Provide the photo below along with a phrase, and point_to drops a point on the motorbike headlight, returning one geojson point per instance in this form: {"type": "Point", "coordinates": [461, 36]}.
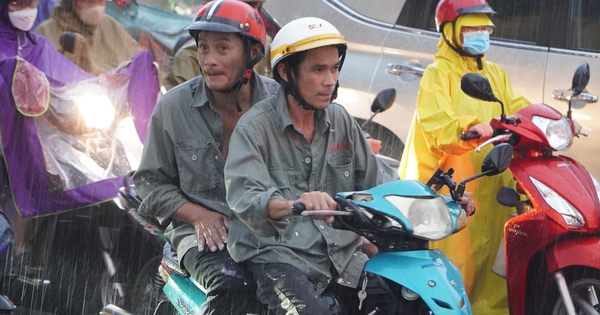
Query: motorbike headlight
{"type": "Point", "coordinates": [96, 109]}
{"type": "Point", "coordinates": [558, 132]}
{"type": "Point", "coordinates": [572, 217]}
{"type": "Point", "coordinates": [429, 218]}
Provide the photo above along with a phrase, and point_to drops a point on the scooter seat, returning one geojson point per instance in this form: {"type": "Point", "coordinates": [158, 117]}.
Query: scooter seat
{"type": "Point", "coordinates": [171, 261]}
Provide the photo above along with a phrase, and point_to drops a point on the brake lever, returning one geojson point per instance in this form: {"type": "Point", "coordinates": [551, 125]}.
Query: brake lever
{"type": "Point", "coordinates": [500, 138]}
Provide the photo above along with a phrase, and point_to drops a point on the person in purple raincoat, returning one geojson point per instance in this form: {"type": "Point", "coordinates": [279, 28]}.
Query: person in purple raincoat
{"type": "Point", "coordinates": [26, 188]}
{"type": "Point", "coordinates": [16, 20]}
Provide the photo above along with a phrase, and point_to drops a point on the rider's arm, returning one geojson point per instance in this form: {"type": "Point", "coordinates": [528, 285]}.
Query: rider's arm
{"type": "Point", "coordinates": [248, 180]}
{"type": "Point", "coordinates": [439, 119]}
{"type": "Point", "coordinates": [156, 178]}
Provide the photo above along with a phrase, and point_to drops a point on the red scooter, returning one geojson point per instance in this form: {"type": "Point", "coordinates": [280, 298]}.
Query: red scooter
{"type": "Point", "coordinates": [552, 245]}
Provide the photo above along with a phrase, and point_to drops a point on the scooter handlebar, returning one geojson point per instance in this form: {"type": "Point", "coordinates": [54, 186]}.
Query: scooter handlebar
{"type": "Point", "coordinates": [469, 135]}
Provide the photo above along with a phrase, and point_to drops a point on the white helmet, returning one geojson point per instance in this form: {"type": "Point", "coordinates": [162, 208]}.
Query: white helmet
{"type": "Point", "coordinates": [304, 34]}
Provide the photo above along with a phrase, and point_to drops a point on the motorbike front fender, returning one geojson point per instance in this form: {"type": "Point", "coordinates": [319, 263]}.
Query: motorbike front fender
{"type": "Point", "coordinates": [574, 252]}
{"type": "Point", "coordinates": [430, 274]}
{"type": "Point", "coordinates": [184, 294]}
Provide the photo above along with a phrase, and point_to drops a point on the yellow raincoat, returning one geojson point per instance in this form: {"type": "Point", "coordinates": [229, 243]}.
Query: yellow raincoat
{"type": "Point", "coordinates": [443, 112]}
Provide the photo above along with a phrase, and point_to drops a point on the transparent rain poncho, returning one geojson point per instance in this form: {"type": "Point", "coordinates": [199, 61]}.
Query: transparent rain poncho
{"type": "Point", "coordinates": [88, 134]}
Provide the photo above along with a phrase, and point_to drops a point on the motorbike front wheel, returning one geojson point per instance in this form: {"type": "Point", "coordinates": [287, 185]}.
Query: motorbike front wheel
{"type": "Point", "coordinates": [148, 298]}
{"type": "Point", "coordinates": [585, 293]}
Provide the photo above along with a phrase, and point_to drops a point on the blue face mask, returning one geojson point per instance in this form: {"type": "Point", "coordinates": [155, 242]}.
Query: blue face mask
{"type": "Point", "coordinates": [476, 43]}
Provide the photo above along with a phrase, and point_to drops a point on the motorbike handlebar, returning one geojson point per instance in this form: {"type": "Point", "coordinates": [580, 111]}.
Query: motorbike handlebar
{"type": "Point", "coordinates": [469, 135]}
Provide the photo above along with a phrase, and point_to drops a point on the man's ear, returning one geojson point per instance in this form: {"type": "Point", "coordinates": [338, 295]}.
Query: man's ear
{"type": "Point", "coordinates": [255, 50]}
{"type": "Point", "coordinates": [281, 71]}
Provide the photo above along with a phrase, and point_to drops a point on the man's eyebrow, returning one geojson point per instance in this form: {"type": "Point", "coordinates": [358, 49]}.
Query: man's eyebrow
{"type": "Point", "coordinates": [219, 39]}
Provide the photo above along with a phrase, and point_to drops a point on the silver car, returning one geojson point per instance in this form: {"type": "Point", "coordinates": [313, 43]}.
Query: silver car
{"type": "Point", "coordinates": [539, 43]}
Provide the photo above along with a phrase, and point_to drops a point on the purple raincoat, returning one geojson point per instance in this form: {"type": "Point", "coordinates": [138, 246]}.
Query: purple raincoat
{"type": "Point", "coordinates": [21, 146]}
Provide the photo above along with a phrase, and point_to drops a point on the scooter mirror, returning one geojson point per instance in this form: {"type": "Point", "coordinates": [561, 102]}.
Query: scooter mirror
{"type": "Point", "coordinates": [580, 78]}
{"type": "Point", "coordinates": [497, 160]}
{"type": "Point", "coordinates": [477, 86]}
{"type": "Point", "coordinates": [384, 100]}
{"type": "Point", "coordinates": [507, 197]}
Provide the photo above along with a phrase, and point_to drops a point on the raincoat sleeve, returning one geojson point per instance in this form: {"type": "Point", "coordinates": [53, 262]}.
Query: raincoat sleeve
{"type": "Point", "coordinates": [437, 114]}
{"type": "Point", "coordinates": [156, 179]}
{"type": "Point", "coordinates": [248, 182]}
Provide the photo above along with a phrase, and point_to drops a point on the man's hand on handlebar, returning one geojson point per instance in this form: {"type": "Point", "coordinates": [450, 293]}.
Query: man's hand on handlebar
{"type": "Point", "coordinates": [484, 130]}
{"type": "Point", "coordinates": [467, 203]}
{"type": "Point", "coordinates": [318, 200]}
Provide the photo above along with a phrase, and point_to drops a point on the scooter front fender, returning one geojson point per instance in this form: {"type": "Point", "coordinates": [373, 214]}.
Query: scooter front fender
{"type": "Point", "coordinates": [184, 294]}
{"type": "Point", "coordinates": [430, 274]}
{"type": "Point", "coordinates": [574, 252]}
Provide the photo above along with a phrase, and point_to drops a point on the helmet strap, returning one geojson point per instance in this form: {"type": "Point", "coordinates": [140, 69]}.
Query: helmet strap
{"type": "Point", "coordinates": [291, 88]}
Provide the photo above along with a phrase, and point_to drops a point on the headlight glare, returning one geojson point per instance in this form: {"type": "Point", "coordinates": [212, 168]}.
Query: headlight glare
{"type": "Point", "coordinates": [558, 132]}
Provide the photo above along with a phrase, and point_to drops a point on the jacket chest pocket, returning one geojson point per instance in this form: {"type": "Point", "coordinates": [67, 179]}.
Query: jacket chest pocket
{"type": "Point", "coordinates": [340, 173]}
{"type": "Point", "coordinates": [200, 165]}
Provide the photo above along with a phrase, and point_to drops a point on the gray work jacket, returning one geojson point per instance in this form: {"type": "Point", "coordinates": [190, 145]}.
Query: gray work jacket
{"type": "Point", "coordinates": [272, 159]}
{"type": "Point", "coordinates": [181, 161]}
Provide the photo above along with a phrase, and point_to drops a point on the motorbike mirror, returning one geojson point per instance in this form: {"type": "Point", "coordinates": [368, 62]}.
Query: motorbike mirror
{"type": "Point", "coordinates": [580, 81]}
{"type": "Point", "coordinates": [477, 86]}
{"type": "Point", "coordinates": [580, 78]}
{"type": "Point", "coordinates": [383, 101]}
{"type": "Point", "coordinates": [497, 160]}
{"type": "Point", "coordinates": [494, 163]}
{"type": "Point", "coordinates": [507, 197]}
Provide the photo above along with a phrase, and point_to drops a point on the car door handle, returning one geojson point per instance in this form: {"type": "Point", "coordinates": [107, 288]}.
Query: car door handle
{"type": "Point", "coordinates": [566, 94]}
{"type": "Point", "coordinates": [398, 69]}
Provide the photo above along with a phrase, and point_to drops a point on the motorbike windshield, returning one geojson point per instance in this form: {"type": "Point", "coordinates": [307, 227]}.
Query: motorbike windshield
{"type": "Point", "coordinates": [76, 152]}
{"type": "Point", "coordinates": [88, 135]}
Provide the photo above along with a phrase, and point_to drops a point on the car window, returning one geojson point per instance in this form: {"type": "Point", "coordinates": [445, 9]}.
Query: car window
{"type": "Point", "coordinates": [586, 24]}
{"type": "Point", "coordinates": [516, 20]}
{"type": "Point", "coordinates": [381, 10]}
{"type": "Point", "coordinates": [536, 22]}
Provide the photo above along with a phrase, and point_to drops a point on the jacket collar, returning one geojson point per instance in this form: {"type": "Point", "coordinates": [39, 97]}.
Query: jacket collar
{"type": "Point", "coordinates": [201, 95]}
{"type": "Point", "coordinates": [321, 116]}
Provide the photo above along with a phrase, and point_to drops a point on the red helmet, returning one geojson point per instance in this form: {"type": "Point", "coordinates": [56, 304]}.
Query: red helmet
{"type": "Point", "coordinates": [230, 16]}
{"type": "Point", "coordinates": [449, 10]}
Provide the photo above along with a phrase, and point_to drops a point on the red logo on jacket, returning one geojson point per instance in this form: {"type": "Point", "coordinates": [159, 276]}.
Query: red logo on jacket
{"type": "Point", "coordinates": [338, 146]}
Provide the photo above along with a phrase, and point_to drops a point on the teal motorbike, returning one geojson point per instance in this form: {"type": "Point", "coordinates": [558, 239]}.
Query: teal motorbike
{"type": "Point", "coordinates": [400, 218]}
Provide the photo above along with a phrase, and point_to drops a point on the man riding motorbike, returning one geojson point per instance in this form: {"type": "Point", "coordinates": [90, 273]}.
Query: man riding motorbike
{"type": "Point", "coordinates": [180, 177]}
{"type": "Point", "coordinates": [298, 146]}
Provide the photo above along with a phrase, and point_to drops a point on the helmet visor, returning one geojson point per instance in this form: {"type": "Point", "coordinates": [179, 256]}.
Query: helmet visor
{"type": "Point", "coordinates": [472, 20]}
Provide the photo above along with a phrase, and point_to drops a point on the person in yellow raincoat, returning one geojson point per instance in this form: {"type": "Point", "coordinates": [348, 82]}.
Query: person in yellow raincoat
{"type": "Point", "coordinates": [444, 112]}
